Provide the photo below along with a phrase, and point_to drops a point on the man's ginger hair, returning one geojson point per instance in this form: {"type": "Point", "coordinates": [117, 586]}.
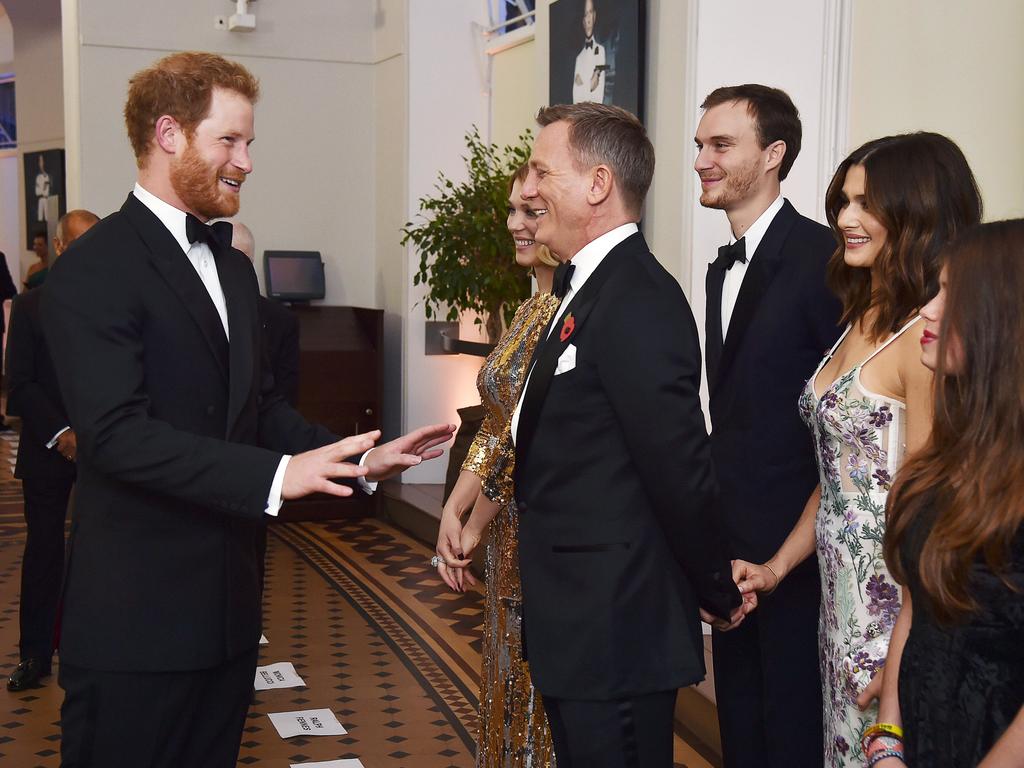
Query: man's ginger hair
{"type": "Point", "coordinates": [180, 85]}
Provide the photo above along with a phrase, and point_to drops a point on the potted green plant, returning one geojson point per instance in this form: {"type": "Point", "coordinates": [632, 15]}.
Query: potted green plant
{"type": "Point", "coordinates": [467, 258]}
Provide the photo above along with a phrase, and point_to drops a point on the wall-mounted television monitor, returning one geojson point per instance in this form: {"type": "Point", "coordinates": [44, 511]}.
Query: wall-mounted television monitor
{"type": "Point", "coordinates": [293, 275]}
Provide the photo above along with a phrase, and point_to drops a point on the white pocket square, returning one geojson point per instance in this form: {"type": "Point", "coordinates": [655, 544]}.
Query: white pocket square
{"type": "Point", "coordinates": [567, 360]}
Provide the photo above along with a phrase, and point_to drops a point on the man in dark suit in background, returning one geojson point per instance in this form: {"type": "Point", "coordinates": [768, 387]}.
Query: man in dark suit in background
{"type": "Point", "coordinates": [280, 327]}
{"type": "Point", "coordinates": [45, 466]}
{"type": "Point", "coordinates": [618, 539]}
{"type": "Point", "coordinates": [770, 318]}
{"type": "Point", "coordinates": [184, 449]}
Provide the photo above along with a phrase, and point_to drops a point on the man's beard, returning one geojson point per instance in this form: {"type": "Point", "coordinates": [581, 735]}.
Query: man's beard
{"type": "Point", "coordinates": [733, 188]}
{"type": "Point", "coordinates": [198, 186]}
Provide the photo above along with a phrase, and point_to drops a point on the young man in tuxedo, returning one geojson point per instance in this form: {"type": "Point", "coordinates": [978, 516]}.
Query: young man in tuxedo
{"type": "Point", "coordinates": [770, 319]}
{"type": "Point", "coordinates": [45, 466]}
{"type": "Point", "coordinates": [618, 540]}
{"type": "Point", "coordinates": [183, 448]}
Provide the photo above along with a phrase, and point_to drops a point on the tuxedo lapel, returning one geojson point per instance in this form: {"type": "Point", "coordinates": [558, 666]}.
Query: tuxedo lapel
{"type": "Point", "coordinates": [241, 301]}
{"type": "Point", "coordinates": [547, 351]}
{"type": "Point", "coordinates": [174, 266]}
{"type": "Point", "coordinates": [764, 265]}
{"type": "Point", "coordinates": [713, 321]}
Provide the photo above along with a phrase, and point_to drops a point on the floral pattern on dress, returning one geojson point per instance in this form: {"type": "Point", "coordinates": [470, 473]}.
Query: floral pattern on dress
{"type": "Point", "coordinates": [858, 438]}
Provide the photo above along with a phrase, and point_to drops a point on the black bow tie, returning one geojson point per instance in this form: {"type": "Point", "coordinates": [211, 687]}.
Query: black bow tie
{"type": "Point", "coordinates": [563, 273]}
{"type": "Point", "coordinates": [730, 254]}
{"type": "Point", "coordinates": [589, 43]}
{"type": "Point", "coordinates": [216, 235]}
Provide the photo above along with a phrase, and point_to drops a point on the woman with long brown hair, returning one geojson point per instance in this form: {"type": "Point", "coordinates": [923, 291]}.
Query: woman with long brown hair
{"type": "Point", "coordinates": [893, 204]}
{"type": "Point", "coordinates": [955, 536]}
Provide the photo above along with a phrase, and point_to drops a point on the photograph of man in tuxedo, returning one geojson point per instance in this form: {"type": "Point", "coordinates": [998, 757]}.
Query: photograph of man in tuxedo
{"type": "Point", "coordinates": [619, 548]}
{"type": "Point", "coordinates": [183, 446]}
{"type": "Point", "coordinates": [591, 62]}
{"type": "Point", "coordinates": [770, 317]}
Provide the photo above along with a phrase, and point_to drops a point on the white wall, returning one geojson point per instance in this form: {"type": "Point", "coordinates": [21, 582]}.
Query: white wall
{"type": "Point", "coordinates": [391, 122]}
{"type": "Point", "coordinates": [951, 67]}
{"type": "Point", "coordinates": [39, 103]}
{"type": "Point", "coordinates": [447, 78]}
{"type": "Point", "coordinates": [10, 232]}
{"type": "Point", "coordinates": [6, 42]}
{"type": "Point", "coordinates": [782, 44]}
{"type": "Point", "coordinates": [313, 183]}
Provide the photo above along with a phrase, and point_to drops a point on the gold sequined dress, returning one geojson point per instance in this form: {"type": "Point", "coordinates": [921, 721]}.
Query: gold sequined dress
{"type": "Point", "coordinates": [513, 731]}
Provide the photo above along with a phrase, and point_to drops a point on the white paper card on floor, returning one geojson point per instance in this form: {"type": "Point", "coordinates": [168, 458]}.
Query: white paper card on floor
{"type": "Point", "coordinates": [263, 640]}
{"type": "Point", "coordinates": [330, 764]}
{"type": "Point", "coordinates": [274, 676]}
{"type": "Point", "coordinates": [307, 722]}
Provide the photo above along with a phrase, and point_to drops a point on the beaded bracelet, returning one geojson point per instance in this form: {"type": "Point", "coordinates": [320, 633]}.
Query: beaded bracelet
{"type": "Point", "coordinates": [880, 756]}
{"type": "Point", "coordinates": [880, 729]}
{"type": "Point", "coordinates": [880, 743]}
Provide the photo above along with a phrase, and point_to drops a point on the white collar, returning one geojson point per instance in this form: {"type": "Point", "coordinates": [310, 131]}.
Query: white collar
{"type": "Point", "coordinates": [755, 232]}
{"type": "Point", "coordinates": [171, 217]}
{"type": "Point", "coordinates": [592, 254]}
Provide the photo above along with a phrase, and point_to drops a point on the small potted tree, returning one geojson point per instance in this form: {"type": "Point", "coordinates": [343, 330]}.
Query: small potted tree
{"type": "Point", "coordinates": [467, 258]}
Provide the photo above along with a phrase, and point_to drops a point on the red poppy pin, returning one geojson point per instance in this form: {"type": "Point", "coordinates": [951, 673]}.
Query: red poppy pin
{"type": "Point", "coordinates": [567, 327]}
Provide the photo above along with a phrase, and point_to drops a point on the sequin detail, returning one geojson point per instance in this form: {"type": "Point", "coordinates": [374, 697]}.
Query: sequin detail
{"type": "Point", "coordinates": [513, 730]}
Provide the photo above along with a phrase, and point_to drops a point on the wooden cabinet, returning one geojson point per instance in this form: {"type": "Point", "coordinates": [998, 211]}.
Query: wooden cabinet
{"type": "Point", "coordinates": [341, 368]}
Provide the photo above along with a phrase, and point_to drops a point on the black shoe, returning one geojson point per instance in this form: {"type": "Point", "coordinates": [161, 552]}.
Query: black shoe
{"type": "Point", "coordinates": [26, 675]}
{"type": "Point", "coordinates": [5, 427]}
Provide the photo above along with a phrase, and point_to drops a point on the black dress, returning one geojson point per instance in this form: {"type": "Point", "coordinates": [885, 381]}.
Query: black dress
{"type": "Point", "coordinates": [962, 685]}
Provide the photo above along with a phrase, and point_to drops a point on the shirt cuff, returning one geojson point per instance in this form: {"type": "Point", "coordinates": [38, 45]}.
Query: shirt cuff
{"type": "Point", "coordinates": [368, 486]}
{"type": "Point", "coordinates": [274, 499]}
{"type": "Point", "coordinates": [53, 440]}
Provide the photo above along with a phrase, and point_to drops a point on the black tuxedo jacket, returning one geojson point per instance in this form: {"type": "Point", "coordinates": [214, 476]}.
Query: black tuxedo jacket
{"type": "Point", "coordinates": [34, 394]}
{"type": "Point", "coordinates": [617, 536]}
{"type": "Point", "coordinates": [281, 341]}
{"type": "Point", "coordinates": [784, 321]}
{"type": "Point", "coordinates": [178, 443]}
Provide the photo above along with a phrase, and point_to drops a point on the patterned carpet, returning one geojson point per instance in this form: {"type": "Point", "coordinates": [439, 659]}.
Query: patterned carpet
{"type": "Point", "coordinates": [354, 605]}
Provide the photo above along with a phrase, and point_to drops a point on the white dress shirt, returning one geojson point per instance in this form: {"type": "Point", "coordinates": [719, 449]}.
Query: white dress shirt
{"type": "Point", "coordinates": [201, 258]}
{"type": "Point", "coordinates": [586, 261]}
{"type": "Point", "coordinates": [734, 275]}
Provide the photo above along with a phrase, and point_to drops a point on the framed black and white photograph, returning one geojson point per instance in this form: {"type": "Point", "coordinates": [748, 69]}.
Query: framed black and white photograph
{"type": "Point", "coordinates": [597, 53]}
{"type": "Point", "coordinates": [45, 201]}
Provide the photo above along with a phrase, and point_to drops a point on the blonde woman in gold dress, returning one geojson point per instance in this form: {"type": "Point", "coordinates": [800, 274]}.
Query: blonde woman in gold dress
{"type": "Point", "coordinates": [513, 730]}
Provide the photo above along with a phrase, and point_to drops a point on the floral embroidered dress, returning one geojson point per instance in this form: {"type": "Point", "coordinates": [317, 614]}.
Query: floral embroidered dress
{"type": "Point", "coordinates": [859, 438]}
{"type": "Point", "coordinates": [513, 729]}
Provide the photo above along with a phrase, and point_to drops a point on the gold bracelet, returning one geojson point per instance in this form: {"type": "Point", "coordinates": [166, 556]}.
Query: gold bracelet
{"type": "Point", "coordinates": [777, 579]}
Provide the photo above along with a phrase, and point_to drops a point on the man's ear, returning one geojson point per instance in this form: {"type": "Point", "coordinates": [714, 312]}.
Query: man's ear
{"type": "Point", "coordinates": [776, 152]}
{"type": "Point", "coordinates": [168, 134]}
{"type": "Point", "coordinates": [601, 182]}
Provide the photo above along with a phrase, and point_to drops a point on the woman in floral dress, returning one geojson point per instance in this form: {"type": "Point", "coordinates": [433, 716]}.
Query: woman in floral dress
{"type": "Point", "coordinates": [513, 729]}
{"type": "Point", "coordinates": [892, 204]}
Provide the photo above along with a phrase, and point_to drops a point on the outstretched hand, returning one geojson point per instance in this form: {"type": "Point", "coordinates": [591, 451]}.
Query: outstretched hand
{"type": "Point", "coordinates": [315, 471]}
{"type": "Point", "coordinates": [409, 450]}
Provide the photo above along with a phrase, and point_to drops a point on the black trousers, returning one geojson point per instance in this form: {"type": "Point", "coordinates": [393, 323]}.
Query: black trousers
{"type": "Point", "coordinates": [629, 733]}
{"type": "Point", "coordinates": [768, 679]}
{"type": "Point", "coordinates": [155, 719]}
{"type": "Point", "coordinates": [42, 567]}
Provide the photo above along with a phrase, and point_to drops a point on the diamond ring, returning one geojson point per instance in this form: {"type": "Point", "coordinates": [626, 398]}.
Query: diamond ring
{"type": "Point", "coordinates": [435, 561]}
